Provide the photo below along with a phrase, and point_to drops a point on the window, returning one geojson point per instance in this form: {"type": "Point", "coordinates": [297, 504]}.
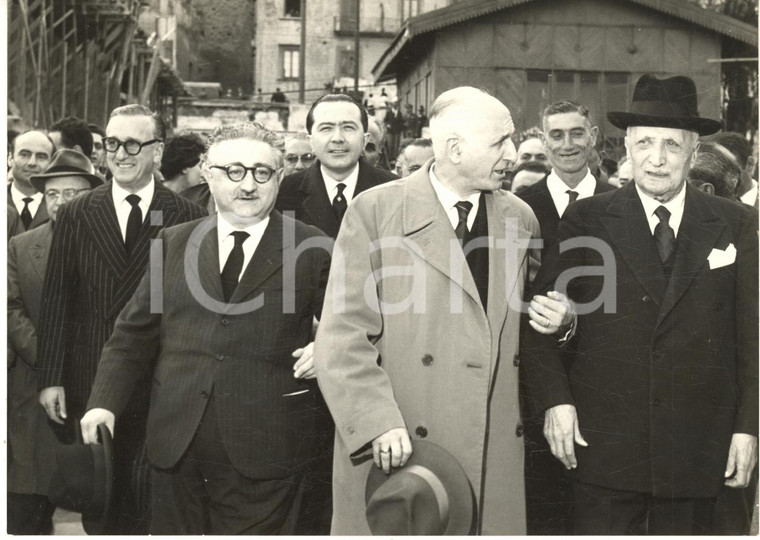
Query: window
{"type": "Point", "coordinates": [289, 57]}
{"type": "Point", "coordinates": [409, 8]}
{"type": "Point", "coordinates": [345, 62]}
{"type": "Point", "coordinates": [292, 8]}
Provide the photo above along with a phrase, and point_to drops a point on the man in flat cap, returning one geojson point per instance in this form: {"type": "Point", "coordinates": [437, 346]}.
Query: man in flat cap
{"type": "Point", "coordinates": [659, 405]}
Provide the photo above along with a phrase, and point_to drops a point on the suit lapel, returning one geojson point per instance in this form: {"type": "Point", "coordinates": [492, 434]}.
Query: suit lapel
{"type": "Point", "coordinates": [629, 231]}
{"type": "Point", "coordinates": [205, 270]}
{"type": "Point", "coordinates": [39, 251]}
{"type": "Point", "coordinates": [427, 229]}
{"type": "Point", "coordinates": [697, 234]}
{"type": "Point", "coordinates": [316, 203]}
{"type": "Point", "coordinates": [366, 178]}
{"type": "Point", "coordinates": [41, 216]}
{"type": "Point", "coordinates": [103, 227]}
{"type": "Point", "coordinates": [266, 260]}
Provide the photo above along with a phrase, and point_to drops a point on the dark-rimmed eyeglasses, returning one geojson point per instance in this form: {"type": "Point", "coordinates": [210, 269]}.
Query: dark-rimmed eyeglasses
{"type": "Point", "coordinates": [236, 173]}
{"type": "Point", "coordinates": [131, 146]}
{"type": "Point", "coordinates": [68, 194]}
{"type": "Point", "coordinates": [292, 159]}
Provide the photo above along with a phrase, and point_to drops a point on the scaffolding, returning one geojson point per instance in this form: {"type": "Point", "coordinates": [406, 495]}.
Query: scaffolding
{"type": "Point", "coordinates": [81, 58]}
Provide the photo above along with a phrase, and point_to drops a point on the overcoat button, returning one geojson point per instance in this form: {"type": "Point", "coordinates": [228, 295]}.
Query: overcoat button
{"type": "Point", "coordinates": [427, 360]}
{"type": "Point", "coordinates": [421, 432]}
{"type": "Point", "coordinates": [519, 430]}
{"type": "Point", "coordinates": [350, 430]}
{"type": "Point", "coordinates": [225, 322]}
{"type": "Point", "coordinates": [647, 299]}
{"type": "Point", "coordinates": [516, 361]}
{"type": "Point", "coordinates": [204, 394]}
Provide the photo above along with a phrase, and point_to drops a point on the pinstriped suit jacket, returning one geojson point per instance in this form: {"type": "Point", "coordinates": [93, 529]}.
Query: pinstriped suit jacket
{"type": "Point", "coordinates": [88, 281]}
{"type": "Point", "coordinates": [266, 417]}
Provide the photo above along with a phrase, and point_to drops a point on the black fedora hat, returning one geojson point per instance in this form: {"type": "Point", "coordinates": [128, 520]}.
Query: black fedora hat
{"type": "Point", "coordinates": [83, 481]}
{"type": "Point", "coordinates": [67, 162]}
{"type": "Point", "coordinates": [430, 495]}
{"type": "Point", "coordinates": [670, 103]}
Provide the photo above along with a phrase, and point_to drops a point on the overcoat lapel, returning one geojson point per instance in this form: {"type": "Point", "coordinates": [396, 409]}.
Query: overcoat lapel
{"type": "Point", "coordinates": [427, 229]}
{"type": "Point", "coordinates": [39, 251]}
{"type": "Point", "coordinates": [630, 235]}
{"type": "Point", "coordinates": [697, 234]}
{"type": "Point", "coordinates": [316, 203]}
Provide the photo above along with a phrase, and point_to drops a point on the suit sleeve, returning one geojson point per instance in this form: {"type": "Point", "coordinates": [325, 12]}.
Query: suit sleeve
{"type": "Point", "coordinates": [747, 325]}
{"type": "Point", "coordinates": [55, 312]}
{"type": "Point", "coordinates": [546, 379]}
{"type": "Point", "coordinates": [130, 351]}
{"type": "Point", "coordinates": [22, 336]}
{"type": "Point", "coordinates": [357, 390]}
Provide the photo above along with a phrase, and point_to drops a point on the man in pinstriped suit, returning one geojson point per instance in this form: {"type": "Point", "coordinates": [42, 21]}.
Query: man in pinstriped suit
{"type": "Point", "coordinates": [99, 252]}
{"type": "Point", "coordinates": [231, 430]}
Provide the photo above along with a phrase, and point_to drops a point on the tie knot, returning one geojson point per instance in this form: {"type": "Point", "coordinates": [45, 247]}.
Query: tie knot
{"type": "Point", "coordinates": [662, 214]}
{"type": "Point", "coordinates": [341, 186]}
{"type": "Point", "coordinates": [133, 199]}
{"type": "Point", "coordinates": [463, 209]}
{"type": "Point", "coordinates": [240, 237]}
{"type": "Point", "coordinates": [573, 195]}
{"type": "Point", "coordinates": [27, 200]}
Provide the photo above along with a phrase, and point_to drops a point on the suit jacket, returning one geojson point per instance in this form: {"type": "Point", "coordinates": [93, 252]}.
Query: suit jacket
{"type": "Point", "coordinates": [265, 416]}
{"type": "Point", "coordinates": [442, 366]}
{"type": "Point", "coordinates": [540, 200]}
{"type": "Point", "coordinates": [305, 194]}
{"type": "Point", "coordinates": [89, 280]}
{"type": "Point", "coordinates": [15, 219]}
{"type": "Point", "coordinates": [31, 441]}
{"type": "Point", "coordinates": [667, 371]}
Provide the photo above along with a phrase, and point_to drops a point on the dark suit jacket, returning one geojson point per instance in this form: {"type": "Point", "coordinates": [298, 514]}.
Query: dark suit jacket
{"type": "Point", "coordinates": [305, 194]}
{"type": "Point", "coordinates": [31, 442]}
{"type": "Point", "coordinates": [243, 358]}
{"type": "Point", "coordinates": [88, 281]}
{"type": "Point", "coordinates": [14, 218]}
{"type": "Point", "coordinates": [540, 200]}
{"type": "Point", "coordinates": [664, 378]}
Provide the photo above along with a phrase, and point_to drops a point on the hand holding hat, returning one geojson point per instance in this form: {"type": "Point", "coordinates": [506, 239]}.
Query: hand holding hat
{"type": "Point", "coordinates": [90, 422]}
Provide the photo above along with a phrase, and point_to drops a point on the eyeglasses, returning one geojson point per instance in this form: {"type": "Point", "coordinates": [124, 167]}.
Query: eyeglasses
{"type": "Point", "coordinates": [236, 173]}
{"type": "Point", "coordinates": [131, 146]}
{"type": "Point", "coordinates": [414, 168]}
{"type": "Point", "coordinates": [292, 159]}
{"type": "Point", "coordinates": [68, 194]}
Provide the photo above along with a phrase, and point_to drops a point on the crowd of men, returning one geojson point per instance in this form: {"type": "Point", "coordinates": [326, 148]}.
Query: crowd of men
{"type": "Point", "coordinates": [285, 337]}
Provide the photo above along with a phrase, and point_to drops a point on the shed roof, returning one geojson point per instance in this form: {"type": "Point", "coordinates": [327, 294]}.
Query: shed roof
{"type": "Point", "coordinates": [464, 11]}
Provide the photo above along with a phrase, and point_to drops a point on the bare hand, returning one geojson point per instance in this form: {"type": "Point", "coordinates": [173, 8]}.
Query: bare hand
{"type": "Point", "coordinates": [90, 422]}
{"type": "Point", "coordinates": [304, 367]}
{"type": "Point", "coordinates": [742, 458]}
{"type": "Point", "coordinates": [392, 449]}
{"type": "Point", "coordinates": [562, 431]}
{"type": "Point", "coordinates": [53, 398]}
{"type": "Point", "coordinates": [550, 314]}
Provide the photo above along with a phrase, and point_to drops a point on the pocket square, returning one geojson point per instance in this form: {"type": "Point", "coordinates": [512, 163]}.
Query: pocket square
{"type": "Point", "coordinates": [719, 258]}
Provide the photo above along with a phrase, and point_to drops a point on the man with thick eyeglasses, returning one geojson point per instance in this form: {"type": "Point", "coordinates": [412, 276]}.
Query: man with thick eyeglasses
{"type": "Point", "coordinates": [298, 153]}
{"type": "Point", "coordinates": [231, 430]}
{"type": "Point", "coordinates": [99, 252]}
{"type": "Point", "coordinates": [31, 441]}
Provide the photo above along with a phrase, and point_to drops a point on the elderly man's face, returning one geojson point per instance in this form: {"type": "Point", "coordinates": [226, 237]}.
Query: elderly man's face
{"type": "Point", "coordinates": [415, 157]}
{"type": "Point", "coordinates": [374, 145]}
{"type": "Point", "coordinates": [337, 136]}
{"type": "Point", "coordinates": [63, 189]}
{"type": "Point", "coordinates": [245, 202]}
{"type": "Point", "coordinates": [487, 150]}
{"type": "Point", "coordinates": [531, 150]}
{"type": "Point", "coordinates": [31, 155]}
{"type": "Point", "coordinates": [298, 155]}
{"type": "Point", "coordinates": [569, 139]}
{"type": "Point", "coordinates": [133, 172]}
{"type": "Point", "coordinates": [660, 158]}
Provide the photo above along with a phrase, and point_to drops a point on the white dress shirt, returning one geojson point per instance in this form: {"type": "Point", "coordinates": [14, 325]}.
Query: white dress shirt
{"type": "Point", "coordinates": [122, 206]}
{"type": "Point", "coordinates": [750, 197]}
{"type": "Point", "coordinates": [331, 184]}
{"type": "Point", "coordinates": [448, 200]}
{"type": "Point", "coordinates": [558, 190]}
{"type": "Point", "coordinates": [674, 206]}
{"type": "Point", "coordinates": [18, 200]}
{"type": "Point", "coordinates": [224, 232]}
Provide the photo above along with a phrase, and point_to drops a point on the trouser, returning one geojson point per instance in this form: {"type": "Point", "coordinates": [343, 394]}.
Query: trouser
{"type": "Point", "coordinates": [29, 513]}
{"type": "Point", "coordinates": [605, 511]}
{"type": "Point", "coordinates": [205, 494]}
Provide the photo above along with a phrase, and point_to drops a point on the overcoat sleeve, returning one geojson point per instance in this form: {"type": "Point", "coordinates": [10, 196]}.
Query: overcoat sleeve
{"type": "Point", "coordinates": [347, 359]}
{"type": "Point", "coordinates": [22, 336]}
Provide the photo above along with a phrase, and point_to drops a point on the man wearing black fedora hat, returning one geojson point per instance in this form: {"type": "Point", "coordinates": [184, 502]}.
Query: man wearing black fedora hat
{"type": "Point", "coordinates": [658, 408]}
{"type": "Point", "coordinates": [31, 442]}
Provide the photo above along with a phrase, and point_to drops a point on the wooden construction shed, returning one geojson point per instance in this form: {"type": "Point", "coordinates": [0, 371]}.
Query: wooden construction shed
{"type": "Point", "coordinates": [529, 53]}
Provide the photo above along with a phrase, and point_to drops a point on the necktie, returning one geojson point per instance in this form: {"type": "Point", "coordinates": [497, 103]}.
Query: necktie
{"type": "Point", "coordinates": [26, 215]}
{"type": "Point", "coordinates": [134, 222]}
{"type": "Point", "coordinates": [234, 265]}
{"type": "Point", "coordinates": [463, 209]}
{"type": "Point", "coordinates": [664, 236]}
{"type": "Point", "coordinates": [573, 195]}
{"type": "Point", "coordinates": [339, 203]}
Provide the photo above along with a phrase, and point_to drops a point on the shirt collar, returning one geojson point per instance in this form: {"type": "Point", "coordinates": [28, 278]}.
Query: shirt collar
{"type": "Point", "coordinates": [447, 197]}
{"type": "Point", "coordinates": [584, 189]}
{"type": "Point", "coordinates": [675, 206]}
{"type": "Point", "coordinates": [224, 228]}
{"type": "Point", "coordinates": [120, 194]}
{"type": "Point", "coordinates": [16, 195]}
{"type": "Point", "coordinates": [350, 180]}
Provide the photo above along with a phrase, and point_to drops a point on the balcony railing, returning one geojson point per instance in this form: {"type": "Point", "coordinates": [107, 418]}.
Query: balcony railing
{"type": "Point", "coordinates": [367, 25]}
